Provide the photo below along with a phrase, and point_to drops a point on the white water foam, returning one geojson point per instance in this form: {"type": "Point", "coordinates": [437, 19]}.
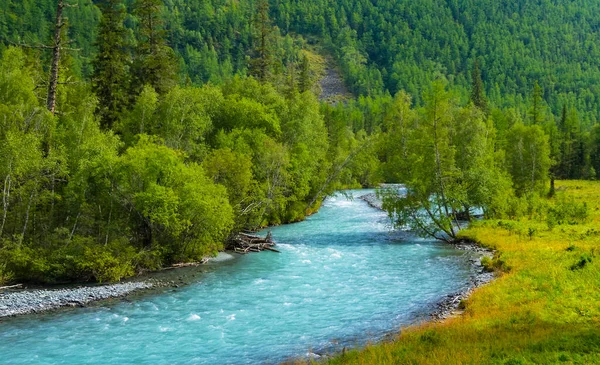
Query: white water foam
{"type": "Point", "coordinates": [194, 317]}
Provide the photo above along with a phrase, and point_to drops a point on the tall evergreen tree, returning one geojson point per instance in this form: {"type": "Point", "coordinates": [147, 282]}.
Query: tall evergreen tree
{"type": "Point", "coordinates": [154, 61]}
{"type": "Point", "coordinates": [537, 112]}
{"type": "Point", "coordinates": [563, 119]}
{"type": "Point", "coordinates": [260, 64]}
{"type": "Point", "coordinates": [477, 91]}
{"type": "Point", "coordinates": [565, 145]}
{"type": "Point", "coordinates": [112, 62]}
{"type": "Point", "coordinates": [305, 82]}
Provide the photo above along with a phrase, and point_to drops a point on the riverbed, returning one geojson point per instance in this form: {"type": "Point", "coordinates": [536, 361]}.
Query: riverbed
{"type": "Point", "coordinates": [342, 278]}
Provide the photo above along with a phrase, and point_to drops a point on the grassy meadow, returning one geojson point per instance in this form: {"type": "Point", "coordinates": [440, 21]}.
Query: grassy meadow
{"type": "Point", "coordinates": [544, 307]}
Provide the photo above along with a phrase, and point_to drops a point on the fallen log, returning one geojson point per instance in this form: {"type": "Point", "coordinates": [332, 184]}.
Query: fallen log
{"type": "Point", "coordinates": [244, 243]}
{"type": "Point", "coordinates": [17, 286]}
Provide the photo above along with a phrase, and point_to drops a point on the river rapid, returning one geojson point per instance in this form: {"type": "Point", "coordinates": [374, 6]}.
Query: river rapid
{"type": "Point", "coordinates": [342, 279]}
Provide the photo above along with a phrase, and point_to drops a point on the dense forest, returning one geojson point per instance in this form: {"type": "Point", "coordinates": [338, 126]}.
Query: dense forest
{"type": "Point", "coordinates": [137, 134]}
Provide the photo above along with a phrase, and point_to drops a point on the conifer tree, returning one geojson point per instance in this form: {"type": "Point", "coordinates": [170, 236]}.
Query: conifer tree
{"type": "Point", "coordinates": [305, 82]}
{"type": "Point", "coordinates": [260, 64]}
{"type": "Point", "coordinates": [154, 61]}
{"type": "Point", "coordinates": [537, 113]}
{"type": "Point", "coordinates": [477, 91]}
{"type": "Point", "coordinates": [112, 62]}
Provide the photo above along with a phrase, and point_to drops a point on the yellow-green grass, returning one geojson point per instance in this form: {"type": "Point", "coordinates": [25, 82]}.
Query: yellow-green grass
{"type": "Point", "coordinates": [543, 308]}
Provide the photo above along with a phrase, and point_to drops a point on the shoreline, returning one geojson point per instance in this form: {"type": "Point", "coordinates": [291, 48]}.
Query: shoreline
{"type": "Point", "coordinates": [450, 306]}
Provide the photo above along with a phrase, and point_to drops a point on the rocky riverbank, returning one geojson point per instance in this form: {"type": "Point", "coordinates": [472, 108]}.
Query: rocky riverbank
{"type": "Point", "coordinates": [450, 305]}
{"type": "Point", "coordinates": [19, 302]}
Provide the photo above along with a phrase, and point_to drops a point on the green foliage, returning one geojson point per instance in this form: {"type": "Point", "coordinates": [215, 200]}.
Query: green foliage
{"type": "Point", "coordinates": [528, 158]}
{"type": "Point", "coordinates": [447, 162]}
{"type": "Point", "coordinates": [234, 171]}
{"type": "Point", "coordinates": [477, 89]}
{"type": "Point", "coordinates": [80, 202]}
{"type": "Point", "coordinates": [106, 263]}
{"type": "Point", "coordinates": [176, 167]}
{"type": "Point", "coordinates": [261, 63]}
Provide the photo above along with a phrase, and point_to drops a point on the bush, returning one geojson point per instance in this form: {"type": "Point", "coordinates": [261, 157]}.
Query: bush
{"type": "Point", "coordinates": [24, 263]}
{"type": "Point", "coordinates": [568, 211]}
{"type": "Point", "coordinates": [487, 264]}
{"type": "Point", "coordinates": [110, 262]}
{"type": "Point", "coordinates": [583, 261]}
{"type": "Point", "coordinates": [5, 275]}
{"type": "Point", "coordinates": [494, 264]}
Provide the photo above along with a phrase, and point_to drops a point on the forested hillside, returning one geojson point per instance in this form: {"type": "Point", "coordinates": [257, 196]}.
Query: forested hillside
{"type": "Point", "coordinates": [405, 43]}
{"type": "Point", "coordinates": [388, 45]}
{"type": "Point", "coordinates": [140, 133]}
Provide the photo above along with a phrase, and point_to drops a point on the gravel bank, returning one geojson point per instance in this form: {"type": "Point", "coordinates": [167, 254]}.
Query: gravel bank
{"type": "Point", "coordinates": [449, 306]}
{"type": "Point", "coordinates": [15, 303]}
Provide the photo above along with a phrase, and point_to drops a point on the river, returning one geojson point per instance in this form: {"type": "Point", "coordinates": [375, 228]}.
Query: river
{"type": "Point", "coordinates": [341, 279]}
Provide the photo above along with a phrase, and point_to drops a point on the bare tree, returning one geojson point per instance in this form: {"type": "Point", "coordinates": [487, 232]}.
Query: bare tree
{"type": "Point", "coordinates": [57, 46]}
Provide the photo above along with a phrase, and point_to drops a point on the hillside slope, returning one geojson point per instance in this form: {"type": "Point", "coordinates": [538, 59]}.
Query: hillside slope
{"type": "Point", "coordinates": [388, 45]}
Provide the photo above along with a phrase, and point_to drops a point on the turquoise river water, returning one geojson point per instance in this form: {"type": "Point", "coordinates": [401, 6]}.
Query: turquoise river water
{"type": "Point", "coordinates": [341, 279]}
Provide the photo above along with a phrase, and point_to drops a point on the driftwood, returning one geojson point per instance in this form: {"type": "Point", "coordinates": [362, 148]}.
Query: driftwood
{"type": "Point", "coordinates": [190, 264]}
{"type": "Point", "coordinates": [244, 243]}
{"type": "Point", "coordinates": [18, 286]}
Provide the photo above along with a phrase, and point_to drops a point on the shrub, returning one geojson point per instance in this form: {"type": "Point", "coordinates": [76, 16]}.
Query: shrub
{"type": "Point", "coordinates": [568, 211]}
{"type": "Point", "coordinates": [5, 275]}
{"type": "Point", "coordinates": [110, 262]}
{"type": "Point", "coordinates": [495, 264]}
{"type": "Point", "coordinates": [583, 261]}
{"type": "Point", "coordinates": [571, 248]}
{"type": "Point", "coordinates": [487, 264]}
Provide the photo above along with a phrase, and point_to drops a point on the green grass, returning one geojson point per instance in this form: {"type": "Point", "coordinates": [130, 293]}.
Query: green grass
{"type": "Point", "coordinates": [544, 308]}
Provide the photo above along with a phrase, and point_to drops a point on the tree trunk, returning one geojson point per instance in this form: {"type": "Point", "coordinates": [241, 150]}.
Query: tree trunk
{"type": "Point", "coordinates": [5, 202]}
{"type": "Point", "coordinates": [26, 217]}
{"type": "Point", "coordinates": [337, 171]}
{"type": "Point", "coordinates": [438, 164]}
{"type": "Point", "coordinates": [56, 48]}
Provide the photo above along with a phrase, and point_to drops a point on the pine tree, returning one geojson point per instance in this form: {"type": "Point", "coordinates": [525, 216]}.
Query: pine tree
{"type": "Point", "coordinates": [563, 119]}
{"type": "Point", "coordinates": [154, 61]}
{"type": "Point", "coordinates": [260, 64]}
{"type": "Point", "coordinates": [565, 145]}
{"type": "Point", "coordinates": [112, 62]}
{"type": "Point", "coordinates": [305, 82]}
{"type": "Point", "coordinates": [477, 91]}
{"type": "Point", "coordinates": [537, 111]}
